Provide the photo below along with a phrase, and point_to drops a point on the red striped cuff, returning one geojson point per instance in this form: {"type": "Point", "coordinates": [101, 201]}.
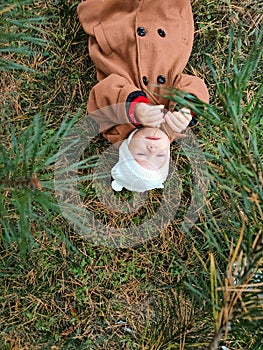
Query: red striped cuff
{"type": "Point", "coordinates": [132, 107]}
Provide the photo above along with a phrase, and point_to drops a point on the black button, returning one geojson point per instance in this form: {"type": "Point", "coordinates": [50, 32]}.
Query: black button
{"type": "Point", "coordinates": [161, 32]}
{"type": "Point", "coordinates": [141, 31]}
{"type": "Point", "coordinates": [161, 79]}
{"type": "Point", "coordinates": [145, 80]}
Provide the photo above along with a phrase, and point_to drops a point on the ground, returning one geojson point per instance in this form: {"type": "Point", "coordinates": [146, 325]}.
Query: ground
{"type": "Point", "coordinates": [61, 291]}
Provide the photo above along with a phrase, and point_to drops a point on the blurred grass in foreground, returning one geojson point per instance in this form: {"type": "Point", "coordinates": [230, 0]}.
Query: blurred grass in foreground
{"type": "Point", "coordinates": [193, 290]}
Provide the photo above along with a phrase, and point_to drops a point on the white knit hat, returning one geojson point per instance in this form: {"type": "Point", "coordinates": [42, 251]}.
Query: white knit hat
{"type": "Point", "coordinates": [134, 177]}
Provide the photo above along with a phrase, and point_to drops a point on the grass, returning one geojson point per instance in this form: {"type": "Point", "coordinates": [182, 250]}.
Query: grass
{"type": "Point", "coordinates": [194, 289]}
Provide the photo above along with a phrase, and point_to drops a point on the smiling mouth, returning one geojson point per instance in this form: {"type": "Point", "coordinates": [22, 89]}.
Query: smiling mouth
{"type": "Point", "coordinates": [152, 138]}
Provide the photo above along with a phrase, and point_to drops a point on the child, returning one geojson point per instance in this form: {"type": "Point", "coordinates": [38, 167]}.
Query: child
{"type": "Point", "coordinates": [140, 48]}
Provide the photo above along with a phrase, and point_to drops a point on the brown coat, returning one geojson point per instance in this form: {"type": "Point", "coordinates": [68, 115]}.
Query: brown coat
{"type": "Point", "coordinates": [137, 45]}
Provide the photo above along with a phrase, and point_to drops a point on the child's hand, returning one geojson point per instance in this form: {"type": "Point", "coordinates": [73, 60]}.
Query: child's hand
{"type": "Point", "coordinates": [178, 121]}
{"type": "Point", "coordinates": [149, 115]}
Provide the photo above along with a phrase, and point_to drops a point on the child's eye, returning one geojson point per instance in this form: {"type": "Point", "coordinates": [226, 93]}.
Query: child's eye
{"type": "Point", "coordinates": [160, 155]}
{"type": "Point", "coordinates": [141, 154]}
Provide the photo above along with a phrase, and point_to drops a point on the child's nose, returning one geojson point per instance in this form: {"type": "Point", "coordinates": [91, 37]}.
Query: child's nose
{"type": "Point", "coordinates": [152, 147]}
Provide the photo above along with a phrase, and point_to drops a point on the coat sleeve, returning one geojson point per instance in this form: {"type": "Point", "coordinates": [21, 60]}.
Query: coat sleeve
{"type": "Point", "coordinates": [109, 110]}
{"type": "Point", "coordinates": [114, 89]}
{"type": "Point", "coordinates": [106, 119]}
{"type": "Point", "coordinates": [110, 96]}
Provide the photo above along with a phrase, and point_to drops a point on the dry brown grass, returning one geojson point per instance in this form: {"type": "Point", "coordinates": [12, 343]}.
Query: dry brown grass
{"type": "Point", "coordinates": [93, 297]}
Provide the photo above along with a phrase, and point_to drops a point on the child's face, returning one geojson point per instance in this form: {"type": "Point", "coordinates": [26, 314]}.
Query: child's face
{"type": "Point", "coordinates": [149, 147]}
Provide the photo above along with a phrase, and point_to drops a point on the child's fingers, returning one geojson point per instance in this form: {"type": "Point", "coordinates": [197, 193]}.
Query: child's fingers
{"type": "Point", "coordinates": [185, 113]}
{"type": "Point", "coordinates": [152, 116]}
{"type": "Point", "coordinates": [159, 107]}
{"type": "Point", "coordinates": [172, 125]}
{"type": "Point", "coordinates": [155, 124]}
{"type": "Point", "coordinates": [155, 121]}
{"type": "Point", "coordinates": [182, 118]}
{"type": "Point", "coordinates": [177, 121]}
{"type": "Point", "coordinates": [155, 110]}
